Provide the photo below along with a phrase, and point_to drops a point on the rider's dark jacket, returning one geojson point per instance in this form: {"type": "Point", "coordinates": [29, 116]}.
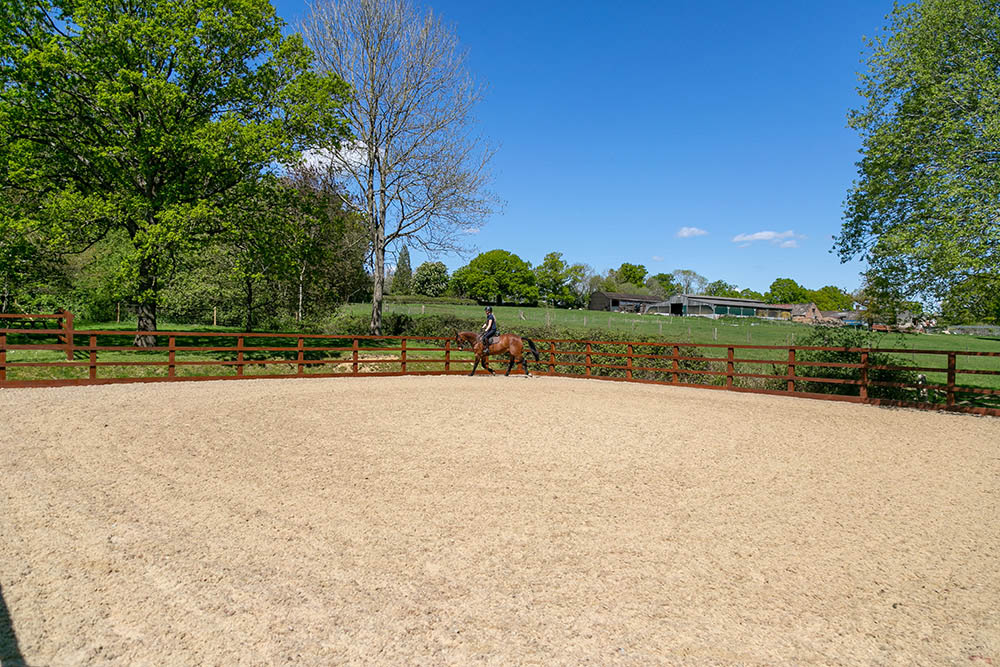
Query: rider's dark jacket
{"type": "Point", "coordinates": [491, 330]}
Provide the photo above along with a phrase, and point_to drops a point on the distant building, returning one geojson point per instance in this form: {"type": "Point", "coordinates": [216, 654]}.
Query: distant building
{"type": "Point", "coordinates": [848, 318]}
{"type": "Point", "coordinates": [806, 313]}
{"type": "Point", "coordinates": [619, 302]}
{"type": "Point", "coordinates": [719, 306]}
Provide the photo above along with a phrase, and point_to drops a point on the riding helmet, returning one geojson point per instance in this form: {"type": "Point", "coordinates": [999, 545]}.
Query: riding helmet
{"type": "Point", "coordinates": [489, 309]}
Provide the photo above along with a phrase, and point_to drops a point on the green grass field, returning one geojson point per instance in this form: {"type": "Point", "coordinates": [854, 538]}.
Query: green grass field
{"type": "Point", "coordinates": [594, 325]}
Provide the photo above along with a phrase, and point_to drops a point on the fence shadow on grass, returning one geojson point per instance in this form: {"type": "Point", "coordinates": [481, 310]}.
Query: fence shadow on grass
{"type": "Point", "coordinates": [10, 651]}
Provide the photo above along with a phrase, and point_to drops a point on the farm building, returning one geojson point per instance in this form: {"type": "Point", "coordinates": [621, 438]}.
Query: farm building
{"type": "Point", "coordinates": [718, 306]}
{"type": "Point", "coordinates": [616, 301]}
{"type": "Point", "coordinates": [806, 313]}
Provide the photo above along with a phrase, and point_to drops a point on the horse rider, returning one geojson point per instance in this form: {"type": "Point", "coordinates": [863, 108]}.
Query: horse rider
{"type": "Point", "coordinates": [489, 329]}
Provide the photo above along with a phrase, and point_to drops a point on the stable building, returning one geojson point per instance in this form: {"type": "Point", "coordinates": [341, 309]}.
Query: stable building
{"type": "Point", "coordinates": [719, 306]}
{"type": "Point", "coordinates": [619, 302]}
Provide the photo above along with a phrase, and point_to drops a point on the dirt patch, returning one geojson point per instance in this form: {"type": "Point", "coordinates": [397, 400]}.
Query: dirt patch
{"type": "Point", "coordinates": [398, 520]}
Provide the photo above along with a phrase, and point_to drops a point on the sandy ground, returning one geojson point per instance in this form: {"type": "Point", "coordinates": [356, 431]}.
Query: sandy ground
{"type": "Point", "coordinates": [395, 520]}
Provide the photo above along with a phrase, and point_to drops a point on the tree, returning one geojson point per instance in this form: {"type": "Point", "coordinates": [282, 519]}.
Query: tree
{"type": "Point", "coordinates": [972, 301]}
{"type": "Point", "coordinates": [555, 279]}
{"type": "Point", "coordinates": [663, 285]}
{"type": "Point", "coordinates": [403, 276]}
{"type": "Point", "coordinates": [924, 210]}
{"type": "Point", "coordinates": [786, 290]}
{"type": "Point", "coordinates": [416, 170]}
{"type": "Point", "coordinates": [689, 281]}
{"type": "Point", "coordinates": [633, 274]}
{"type": "Point", "coordinates": [721, 288]}
{"type": "Point", "coordinates": [831, 298]}
{"type": "Point", "coordinates": [497, 276]}
{"type": "Point", "coordinates": [431, 279]}
{"type": "Point", "coordinates": [145, 116]}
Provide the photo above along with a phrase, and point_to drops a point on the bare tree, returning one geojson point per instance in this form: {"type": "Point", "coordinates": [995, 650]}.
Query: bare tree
{"type": "Point", "coordinates": [415, 170]}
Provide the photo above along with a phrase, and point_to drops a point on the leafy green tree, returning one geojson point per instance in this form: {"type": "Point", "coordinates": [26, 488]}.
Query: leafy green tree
{"type": "Point", "coordinates": [495, 277]}
{"type": "Point", "coordinates": [633, 274]}
{"type": "Point", "coordinates": [662, 284]}
{"type": "Point", "coordinates": [146, 116]}
{"type": "Point", "coordinates": [556, 279]}
{"type": "Point", "coordinates": [831, 298]}
{"type": "Point", "coordinates": [402, 279]}
{"type": "Point", "coordinates": [747, 293]}
{"type": "Point", "coordinates": [786, 290]}
{"type": "Point", "coordinates": [431, 279]}
{"type": "Point", "coordinates": [924, 209]}
{"type": "Point", "coordinates": [721, 288]}
{"type": "Point", "coordinates": [972, 301]}
{"type": "Point", "coordinates": [689, 281]}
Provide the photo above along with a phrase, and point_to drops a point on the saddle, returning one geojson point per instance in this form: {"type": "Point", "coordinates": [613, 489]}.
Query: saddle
{"type": "Point", "coordinates": [492, 340]}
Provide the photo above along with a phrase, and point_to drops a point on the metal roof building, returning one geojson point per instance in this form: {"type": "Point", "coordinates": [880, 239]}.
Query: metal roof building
{"type": "Point", "coordinates": [719, 306]}
{"type": "Point", "coordinates": [617, 301]}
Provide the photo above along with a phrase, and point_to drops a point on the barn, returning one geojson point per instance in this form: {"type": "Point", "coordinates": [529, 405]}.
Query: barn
{"type": "Point", "coordinates": [719, 306]}
{"type": "Point", "coordinates": [620, 302]}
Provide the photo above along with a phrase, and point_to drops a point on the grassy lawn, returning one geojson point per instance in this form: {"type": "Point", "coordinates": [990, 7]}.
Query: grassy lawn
{"type": "Point", "coordinates": [592, 324]}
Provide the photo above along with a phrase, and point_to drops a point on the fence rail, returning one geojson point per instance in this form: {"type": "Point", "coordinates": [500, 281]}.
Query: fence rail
{"type": "Point", "coordinates": [25, 362]}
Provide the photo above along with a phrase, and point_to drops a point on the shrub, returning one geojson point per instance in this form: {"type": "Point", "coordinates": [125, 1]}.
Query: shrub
{"type": "Point", "coordinates": [845, 337]}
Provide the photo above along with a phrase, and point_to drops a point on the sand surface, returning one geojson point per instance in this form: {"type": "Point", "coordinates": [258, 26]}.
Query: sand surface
{"type": "Point", "coordinates": [397, 520]}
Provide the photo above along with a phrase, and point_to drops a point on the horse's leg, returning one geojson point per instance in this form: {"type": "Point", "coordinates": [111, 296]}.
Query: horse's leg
{"type": "Point", "coordinates": [524, 364]}
{"type": "Point", "coordinates": [510, 365]}
{"type": "Point", "coordinates": [474, 365]}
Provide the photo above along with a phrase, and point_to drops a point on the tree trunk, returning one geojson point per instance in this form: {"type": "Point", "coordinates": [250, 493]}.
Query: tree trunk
{"type": "Point", "coordinates": [146, 308]}
{"type": "Point", "coordinates": [6, 296]}
{"type": "Point", "coordinates": [375, 327]}
{"type": "Point", "coordinates": [302, 274]}
{"type": "Point", "coordinates": [249, 303]}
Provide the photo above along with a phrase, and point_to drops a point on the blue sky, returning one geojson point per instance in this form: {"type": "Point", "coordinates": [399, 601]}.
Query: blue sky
{"type": "Point", "coordinates": [621, 125]}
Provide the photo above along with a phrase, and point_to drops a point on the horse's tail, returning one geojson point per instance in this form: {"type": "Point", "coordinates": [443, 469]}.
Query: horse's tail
{"type": "Point", "coordinates": [531, 344]}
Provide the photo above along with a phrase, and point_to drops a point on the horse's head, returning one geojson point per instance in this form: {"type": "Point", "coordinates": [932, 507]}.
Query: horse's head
{"type": "Point", "coordinates": [458, 339]}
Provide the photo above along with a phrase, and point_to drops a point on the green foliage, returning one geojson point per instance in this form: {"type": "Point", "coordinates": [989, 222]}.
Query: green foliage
{"type": "Point", "coordinates": [634, 274]}
{"type": "Point", "coordinates": [497, 276]}
{"type": "Point", "coordinates": [420, 299]}
{"type": "Point", "coordinates": [150, 118]}
{"type": "Point", "coordinates": [831, 298]}
{"type": "Point", "coordinates": [975, 300]}
{"type": "Point", "coordinates": [721, 288]}
{"type": "Point", "coordinates": [403, 277]}
{"type": "Point", "coordinates": [786, 290]}
{"type": "Point", "coordinates": [688, 281]}
{"type": "Point", "coordinates": [923, 211]}
{"type": "Point", "coordinates": [431, 279]}
{"type": "Point", "coordinates": [556, 281]}
{"type": "Point", "coordinates": [846, 337]}
{"type": "Point", "coordinates": [662, 284]}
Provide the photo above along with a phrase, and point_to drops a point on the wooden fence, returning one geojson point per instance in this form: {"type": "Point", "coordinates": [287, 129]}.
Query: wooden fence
{"type": "Point", "coordinates": [776, 370]}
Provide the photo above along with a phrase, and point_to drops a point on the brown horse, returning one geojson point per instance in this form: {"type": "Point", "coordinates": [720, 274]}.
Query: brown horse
{"type": "Point", "coordinates": [509, 343]}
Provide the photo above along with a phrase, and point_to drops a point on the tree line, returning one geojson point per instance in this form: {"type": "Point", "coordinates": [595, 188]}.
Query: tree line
{"type": "Point", "coordinates": [500, 276]}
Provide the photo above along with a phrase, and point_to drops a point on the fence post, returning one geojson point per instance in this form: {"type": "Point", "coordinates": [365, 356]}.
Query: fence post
{"type": "Point", "coordinates": [172, 356]}
{"type": "Point", "coordinates": [3, 358]}
{"type": "Point", "coordinates": [552, 358]}
{"type": "Point", "coordinates": [402, 355]}
{"type": "Point", "coordinates": [864, 376]}
{"type": "Point", "coordinates": [950, 397]}
{"type": "Point", "coordinates": [588, 356]}
{"type": "Point", "coordinates": [447, 355]}
{"type": "Point", "coordinates": [93, 356]}
{"type": "Point", "coordinates": [628, 363]}
{"type": "Point", "coordinates": [354, 366]}
{"type": "Point", "coordinates": [677, 363]}
{"type": "Point", "coordinates": [791, 370]}
{"type": "Point", "coordinates": [730, 368]}
{"type": "Point", "coordinates": [68, 329]}
{"type": "Point", "coordinates": [301, 356]}
{"type": "Point", "coordinates": [239, 356]}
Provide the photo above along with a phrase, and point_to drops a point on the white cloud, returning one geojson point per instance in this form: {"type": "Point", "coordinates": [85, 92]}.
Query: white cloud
{"type": "Point", "coordinates": [787, 239]}
{"type": "Point", "coordinates": [657, 258]}
{"type": "Point", "coordinates": [688, 232]}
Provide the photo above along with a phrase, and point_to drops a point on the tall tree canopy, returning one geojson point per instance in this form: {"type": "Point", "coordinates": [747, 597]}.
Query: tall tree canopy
{"type": "Point", "coordinates": [924, 209]}
{"type": "Point", "coordinates": [417, 171]}
{"type": "Point", "coordinates": [143, 117]}
{"type": "Point", "coordinates": [556, 280]}
{"type": "Point", "coordinates": [497, 276]}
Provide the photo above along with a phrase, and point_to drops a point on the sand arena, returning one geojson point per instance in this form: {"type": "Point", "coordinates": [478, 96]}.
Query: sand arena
{"type": "Point", "coordinates": [396, 520]}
